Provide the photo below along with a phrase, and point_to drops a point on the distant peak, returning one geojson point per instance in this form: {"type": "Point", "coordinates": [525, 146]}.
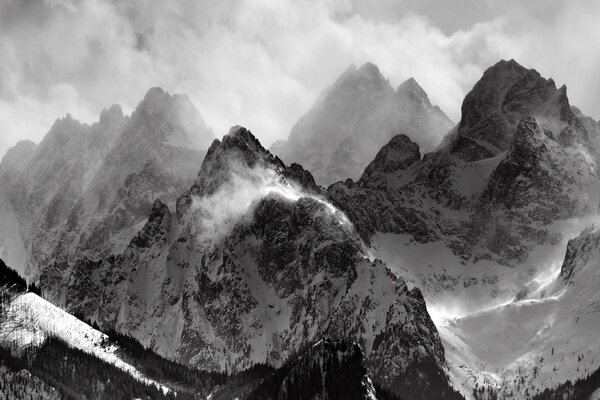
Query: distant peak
{"type": "Point", "coordinates": [155, 92]}
{"type": "Point", "coordinates": [367, 72]}
{"type": "Point", "coordinates": [65, 122]}
{"type": "Point", "coordinates": [115, 112]}
{"type": "Point", "coordinates": [369, 68]}
{"type": "Point", "coordinates": [412, 90]}
{"type": "Point", "coordinates": [154, 101]}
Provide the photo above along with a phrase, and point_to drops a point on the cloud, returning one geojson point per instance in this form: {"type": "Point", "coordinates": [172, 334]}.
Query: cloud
{"type": "Point", "coordinates": [261, 64]}
{"type": "Point", "coordinates": [215, 215]}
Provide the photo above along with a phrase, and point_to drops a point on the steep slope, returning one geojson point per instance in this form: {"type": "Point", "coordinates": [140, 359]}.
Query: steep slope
{"type": "Point", "coordinates": [86, 189]}
{"type": "Point", "coordinates": [12, 246]}
{"type": "Point", "coordinates": [254, 264]}
{"type": "Point", "coordinates": [354, 118]}
{"type": "Point", "coordinates": [545, 337]}
{"type": "Point", "coordinates": [28, 321]}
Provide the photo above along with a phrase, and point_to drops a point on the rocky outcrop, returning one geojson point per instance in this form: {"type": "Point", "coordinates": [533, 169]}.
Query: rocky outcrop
{"type": "Point", "coordinates": [580, 251]}
{"type": "Point", "coordinates": [354, 118]}
{"type": "Point", "coordinates": [397, 155]}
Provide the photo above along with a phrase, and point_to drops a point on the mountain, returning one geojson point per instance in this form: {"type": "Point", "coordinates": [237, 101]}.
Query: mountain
{"type": "Point", "coordinates": [490, 213]}
{"type": "Point", "coordinates": [85, 189]}
{"type": "Point", "coordinates": [354, 118]}
{"type": "Point", "coordinates": [472, 266]}
{"type": "Point", "coordinates": [497, 208]}
{"type": "Point", "coordinates": [253, 264]}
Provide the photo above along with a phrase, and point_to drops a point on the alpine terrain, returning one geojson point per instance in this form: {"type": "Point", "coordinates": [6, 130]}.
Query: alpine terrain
{"type": "Point", "coordinates": [359, 259]}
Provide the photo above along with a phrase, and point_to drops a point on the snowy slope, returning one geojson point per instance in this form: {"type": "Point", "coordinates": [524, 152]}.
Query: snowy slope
{"type": "Point", "coordinates": [546, 336]}
{"type": "Point", "coordinates": [31, 319]}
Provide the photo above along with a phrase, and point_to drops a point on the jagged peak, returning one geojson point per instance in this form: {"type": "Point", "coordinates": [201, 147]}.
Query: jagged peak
{"type": "Point", "coordinates": [65, 127]}
{"type": "Point", "coordinates": [398, 154]}
{"type": "Point", "coordinates": [113, 113]}
{"type": "Point", "coordinates": [367, 73]}
{"type": "Point", "coordinates": [411, 89]}
{"type": "Point", "coordinates": [244, 140]}
{"type": "Point", "coordinates": [504, 65]}
{"type": "Point", "coordinates": [16, 156]}
{"type": "Point", "coordinates": [154, 101]}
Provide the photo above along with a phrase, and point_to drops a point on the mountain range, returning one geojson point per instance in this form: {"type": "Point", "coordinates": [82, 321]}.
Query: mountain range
{"type": "Point", "coordinates": [423, 270]}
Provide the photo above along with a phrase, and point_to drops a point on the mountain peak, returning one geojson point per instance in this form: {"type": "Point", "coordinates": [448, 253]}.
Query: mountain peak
{"type": "Point", "coordinates": [155, 101]}
{"type": "Point", "coordinates": [171, 119]}
{"type": "Point", "coordinates": [368, 73]}
{"type": "Point", "coordinates": [411, 90]}
{"type": "Point", "coordinates": [369, 68]}
{"type": "Point", "coordinates": [506, 93]}
{"type": "Point", "coordinates": [111, 114]}
{"type": "Point", "coordinates": [398, 154]}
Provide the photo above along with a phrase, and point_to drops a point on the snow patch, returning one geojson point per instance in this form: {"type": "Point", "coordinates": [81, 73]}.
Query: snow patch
{"type": "Point", "coordinates": [31, 319]}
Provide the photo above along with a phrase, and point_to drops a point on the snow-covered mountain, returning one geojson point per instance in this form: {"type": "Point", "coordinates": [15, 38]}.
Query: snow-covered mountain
{"type": "Point", "coordinates": [485, 220]}
{"type": "Point", "coordinates": [251, 260]}
{"type": "Point", "coordinates": [452, 208]}
{"type": "Point", "coordinates": [85, 189]}
{"type": "Point", "coordinates": [354, 118]}
{"type": "Point", "coordinates": [255, 263]}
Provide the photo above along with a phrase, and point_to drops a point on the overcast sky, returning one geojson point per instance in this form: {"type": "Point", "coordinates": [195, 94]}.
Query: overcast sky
{"type": "Point", "coordinates": [262, 63]}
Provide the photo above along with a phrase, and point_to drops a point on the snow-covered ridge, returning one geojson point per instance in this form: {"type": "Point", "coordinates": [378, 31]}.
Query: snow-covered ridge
{"type": "Point", "coordinates": [29, 320]}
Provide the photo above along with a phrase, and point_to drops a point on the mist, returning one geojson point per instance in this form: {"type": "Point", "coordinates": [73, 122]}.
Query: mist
{"type": "Point", "coordinates": [262, 64]}
{"type": "Point", "coordinates": [215, 215]}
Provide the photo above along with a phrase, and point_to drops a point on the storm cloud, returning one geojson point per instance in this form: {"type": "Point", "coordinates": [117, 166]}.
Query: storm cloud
{"type": "Point", "coordinates": [262, 63]}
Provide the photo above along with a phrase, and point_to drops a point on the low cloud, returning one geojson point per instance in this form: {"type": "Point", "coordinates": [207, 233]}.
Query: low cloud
{"type": "Point", "coordinates": [262, 64]}
{"type": "Point", "coordinates": [215, 215]}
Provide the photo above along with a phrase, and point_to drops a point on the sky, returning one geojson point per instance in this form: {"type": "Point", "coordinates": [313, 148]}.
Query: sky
{"type": "Point", "coordinates": [262, 63]}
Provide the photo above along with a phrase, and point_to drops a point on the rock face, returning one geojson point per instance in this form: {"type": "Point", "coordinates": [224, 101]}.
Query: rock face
{"type": "Point", "coordinates": [519, 161]}
{"type": "Point", "coordinates": [85, 189]}
{"type": "Point", "coordinates": [582, 252]}
{"type": "Point", "coordinates": [254, 264]}
{"type": "Point", "coordinates": [354, 118]}
{"type": "Point", "coordinates": [505, 94]}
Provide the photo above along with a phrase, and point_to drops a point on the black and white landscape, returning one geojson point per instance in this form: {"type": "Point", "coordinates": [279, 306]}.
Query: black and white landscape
{"type": "Point", "coordinates": [381, 247]}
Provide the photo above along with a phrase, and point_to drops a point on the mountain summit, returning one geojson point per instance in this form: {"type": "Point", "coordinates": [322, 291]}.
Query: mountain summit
{"type": "Point", "coordinates": [354, 118]}
{"type": "Point", "coordinates": [505, 93]}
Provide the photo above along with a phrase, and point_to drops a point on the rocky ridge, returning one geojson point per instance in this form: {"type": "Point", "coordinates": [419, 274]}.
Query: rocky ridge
{"type": "Point", "coordinates": [85, 189]}
{"type": "Point", "coordinates": [288, 269]}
